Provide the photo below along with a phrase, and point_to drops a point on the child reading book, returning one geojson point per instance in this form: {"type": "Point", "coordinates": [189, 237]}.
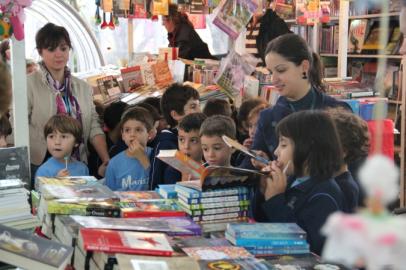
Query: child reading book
{"type": "Point", "coordinates": [215, 150]}
{"type": "Point", "coordinates": [308, 152]}
{"type": "Point", "coordinates": [129, 170]}
{"type": "Point", "coordinates": [63, 135]}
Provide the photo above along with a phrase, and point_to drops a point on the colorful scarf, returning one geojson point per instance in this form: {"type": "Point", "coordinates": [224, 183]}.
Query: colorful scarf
{"type": "Point", "coordinates": [66, 103]}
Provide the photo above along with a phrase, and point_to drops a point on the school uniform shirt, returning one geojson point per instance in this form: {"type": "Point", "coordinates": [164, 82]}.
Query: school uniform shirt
{"type": "Point", "coordinates": [52, 166]}
{"type": "Point", "coordinates": [126, 173]}
{"type": "Point", "coordinates": [350, 190]}
{"type": "Point", "coordinates": [265, 138]}
{"type": "Point", "coordinates": [308, 203]}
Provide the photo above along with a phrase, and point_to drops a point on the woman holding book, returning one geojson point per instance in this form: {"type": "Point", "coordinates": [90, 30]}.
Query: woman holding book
{"type": "Point", "coordinates": [53, 90]}
{"type": "Point", "coordinates": [182, 35]}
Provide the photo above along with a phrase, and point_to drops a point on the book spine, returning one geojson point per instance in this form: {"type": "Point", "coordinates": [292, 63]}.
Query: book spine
{"type": "Point", "coordinates": [220, 216]}
{"type": "Point", "coordinates": [221, 199]}
{"type": "Point", "coordinates": [213, 205]}
{"type": "Point", "coordinates": [139, 214]}
{"type": "Point", "coordinates": [263, 234]}
{"type": "Point", "coordinates": [189, 193]}
{"type": "Point", "coordinates": [216, 211]}
{"type": "Point", "coordinates": [267, 243]}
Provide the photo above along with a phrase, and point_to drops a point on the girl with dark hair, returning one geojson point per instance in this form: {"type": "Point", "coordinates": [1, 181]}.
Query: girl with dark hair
{"type": "Point", "coordinates": [296, 75]}
{"type": "Point", "coordinates": [5, 51]}
{"type": "Point", "coordinates": [300, 187]}
{"type": "Point", "coordinates": [53, 90]}
{"type": "Point", "coordinates": [181, 34]}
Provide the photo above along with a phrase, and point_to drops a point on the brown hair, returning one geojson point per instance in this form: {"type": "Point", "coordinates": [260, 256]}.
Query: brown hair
{"type": "Point", "coordinates": [140, 114]}
{"type": "Point", "coordinates": [254, 112]}
{"type": "Point", "coordinates": [5, 126]}
{"type": "Point", "coordinates": [64, 124]}
{"type": "Point", "coordinates": [218, 125]}
{"type": "Point", "coordinates": [50, 36]}
{"type": "Point", "coordinates": [178, 17]}
{"type": "Point", "coordinates": [5, 89]}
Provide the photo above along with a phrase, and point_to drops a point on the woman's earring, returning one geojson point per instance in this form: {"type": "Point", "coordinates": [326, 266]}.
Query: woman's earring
{"type": "Point", "coordinates": [304, 77]}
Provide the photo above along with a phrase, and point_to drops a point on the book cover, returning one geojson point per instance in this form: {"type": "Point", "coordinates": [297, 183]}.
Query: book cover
{"type": "Point", "coordinates": [138, 10]}
{"type": "Point", "coordinates": [217, 253]}
{"type": "Point", "coordinates": [14, 164]}
{"type": "Point", "coordinates": [356, 35]}
{"type": "Point", "coordinates": [160, 7]}
{"type": "Point", "coordinates": [99, 209]}
{"type": "Point", "coordinates": [237, 263]}
{"type": "Point", "coordinates": [266, 230]}
{"type": "Point", "coordinates": [162, 74]}
{"type": "Point", "coordinates": [109, 87]}
{"type": "Point", "coordinates": [169, 225]}
{"type": "Point", "coordinates": [394, 42]}
{"type": "Point", "coordinates": [124, 242]}
{"type": "Point", "coordinates": [32, 252]}
{"type": "Point", "coordinates": [134, 196]}
{"type": "Point", "coordinates": [186, 192]}
{"type": "Point", "coordinates": [167, 191]}
{"type": "Point", "coordinates": [64, 181]}
{"type": "Point", "coordinates": [267, 242]}
{"type": "Point", "coordinates": [372, 44]}
{"type": "Point", "coordinates": [132, 78]}
{"type": "Point", "coordinates": [152, 208]}
{"type": "Point", "coordinates": [137, 262]}
{"type": "Point", "coordinates": [214, 211]}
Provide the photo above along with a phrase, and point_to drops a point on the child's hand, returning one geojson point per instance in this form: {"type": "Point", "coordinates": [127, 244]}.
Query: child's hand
{"type": "Point", "coordinates": [257, 164]}
{"type": "Point", "coordinates": [137, 151]}
{"type": "Point", "coordinates": [102, 169]}
{"type": "Point", "coordinates": [63, 173]}
{"type": "Point", "coordinates": [275, 183]}
{"type": "Point", "coordinates": [248, 142]}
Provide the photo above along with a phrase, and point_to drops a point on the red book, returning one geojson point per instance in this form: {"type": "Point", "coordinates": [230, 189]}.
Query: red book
{"type": "Point", "coordinates": [125, 242]}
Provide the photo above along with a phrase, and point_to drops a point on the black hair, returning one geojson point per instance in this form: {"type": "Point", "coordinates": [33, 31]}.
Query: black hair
{"type": "Point", "coordinates": [140, 114]}
{"type": "Point", "coordinates": [50, 36]}
{"type": "Point", "coordinates": [217, 106]}
{"type": "Point", "coordinates": [246, 107]}
{"type": "Point", "coordinates": [192, 122]}
{"type": "Point", "coordinates": [154, 113]}
{"type": "Point", "coordinates": [178, 17]}
{"type": "Point", "coordinates": [294, 49]}
{"type": "Point", "coordinates": [113, 113]}
{"type": "Point", "coordinates": [218, 125]}
{"type": "Point", "coordinates": [155, 102]}
{"type": "Point", "coordinates": [175, 99]}
{"type": "Point", "coordinates": [317, 148]}
{"type": "Point", "coordinates": [5, 126]}
{"type": "Point", "coordinates": [4, 46]}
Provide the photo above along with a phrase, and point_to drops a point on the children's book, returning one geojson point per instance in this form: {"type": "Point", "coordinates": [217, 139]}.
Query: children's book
{"type": "Point", "coordinates": [109, 87]}
{"type": "Point", "coordinates": [356, 35]}
{"type": "Point", "coordinates": [151, 208]}
{"type": "Point", "coordinates": [64, 181]}
{"type": "Point", "coordinates": [29, 251]}
{"type": "Point", "coordinates": [168, 225]}
{"type": "Point", "coordinates": [14, 164]}
{"type": "Point", "coordinates": [78, 193]}
{"type": "Point", "coordinates": [372, 44]}
{"type": "Point", "coordinates": [124, 242]}
{"type": "Point", "coordinates": [208, 177]}
{"type": "Point", "coordinates": [137, 262]}
{"type": "Point", "coordinates": [132, 78]}
{"type": "Point", "coordinates": [99, 209]}
{"type": "Point", "coordinates": [235, 144]}
{"type": "Point", "coordinates": [135, 196]}
{"type": "Point", "coordinates": [217, 252]}
{"type": "Point", "coordinates": [162, 74]}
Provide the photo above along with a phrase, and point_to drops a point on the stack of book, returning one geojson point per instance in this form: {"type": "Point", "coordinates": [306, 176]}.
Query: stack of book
{"type": "Point", "coordinates": [268, 238]}
{"type": "Point", "coordinates": [14, 207]}
{"type": "Point", "coordinates": [217, 206]}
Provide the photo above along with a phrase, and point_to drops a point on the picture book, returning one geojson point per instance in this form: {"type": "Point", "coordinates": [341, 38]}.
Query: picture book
{"type": "Point", "coordinates": [137, 262]}
{"type": "Point", "coordinates": [372, 44]}
{"type": "Point", "coordinates": [151, 208]}
{"type": "Point", "coordinates": [162, 74]}
{"type": "Point", "coordinates": [160, 7]}
{"type": "Point", "coordinates": [169, 225]}
{"type": "Point", "coordinates": [132, 78]}
{"type": "Point", "coordinates": [135, 196]}
{"type": "Point", "coordinates": [233, 15]}
{"type": "Point", "coordinates": [235, 144]}
{"type": "Point", "coordinates": [208, 177]}
{"type": "Point", "coordinates": [266, 230]}
{"type": "Point", "coordinates": [124, 242]}
{"type": "Point", "coordinates": [109, 87]}
{"type": "Point", "coordinates": [356, 35]}
{"type": "Point", "coordinates": [14, 164]}
{"type": "Point", "coordinates": [29, 251]}
{"type": "Point", "coordinates": [217, 252]}
{"type": "Point", "coordinates": [237, 263]}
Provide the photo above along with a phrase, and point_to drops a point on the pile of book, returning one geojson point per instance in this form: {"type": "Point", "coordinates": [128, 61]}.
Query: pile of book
{"type": "Point", "coordinates": [268, 238]}
{"type": "Point", "coordinates": [215, 208]}
{"type": "Point", "coordinates": [14, 207]}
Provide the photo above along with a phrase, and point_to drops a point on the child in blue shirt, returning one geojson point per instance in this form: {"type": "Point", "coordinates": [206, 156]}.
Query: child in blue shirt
{"type": "Point", "coordinates": [63, 135]}
{"type": "Point", "coordinates": [129, 170]}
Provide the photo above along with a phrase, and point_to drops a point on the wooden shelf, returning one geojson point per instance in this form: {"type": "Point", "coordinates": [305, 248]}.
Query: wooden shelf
{"type": "Point", "coordinates": [392, 101]}
{"type": "Point", "coordinates": [389, 56]}
{"type": "Point", "coordinates": [370, 16]}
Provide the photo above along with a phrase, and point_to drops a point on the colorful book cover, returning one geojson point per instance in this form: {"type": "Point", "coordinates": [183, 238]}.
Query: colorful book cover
{"type": "Point", "coordinates": [14, 164]}
{"type": "Point", "coordinates": [125, 242]}
{"type": "Point", "coordinates": [160, 7]}
{"type": "Point", "coordinates": [356, 35]}
{"type": "Point", "coordinates": [220, 192]}
{"type": "Point", "coordinates": [162, 74]}
{"type": "Point", "coordinates": [266, 230]}
{"type": "Point", "coordinates": [132, 78]}
{"type": "Point", "coordinates": [138, 10]}
{"type": "Point", "coordinates": [217, 253]}
{"type": "Point", "coordinates": [64, 181]}
{"type": "Point", "coordinates": [29, 251]}
{"type": "Point", "coordinates": [239, 197]}
{"type": "Point", "coordinates": [237, 263]}
{"type": "Point", "coordinates": [109, 87]}
{"type": "Point", "coordinates": [267, 242]}
{"type": "Point", "coordinates": [215, 211]}
{"type": "Point", "coordinates": [134, 196]}
{"type": "Point", "coordinates": [167, 191]}
{"type": "Point", "coordinates": [233, 15]}
{"type": "Point", "coordinates": [137, 262]}
{"type": "Point", "coordinates": [372, 44]}
{"type": "Point", "coordinates": [100, 209]}
{"type": "Point", "coordinates": [152, 208]}
{"type": "Point", "coordinates": [169, 225]}
{"type": "Point", "coordinates": [204, 206]}
{"type": "Point", "coordinates": [78, 193]}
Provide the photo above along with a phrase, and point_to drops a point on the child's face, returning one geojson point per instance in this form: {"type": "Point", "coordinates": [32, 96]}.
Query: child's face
{"type": "Point", "coordinates": [284, 154]}
{"type": "Point", "coordinates": [60, 145]}
{"type": "Point", "coordinates": [134, 130]}
{"type": "Point", "coordinates": [189, 144]}
{"type": "Point", "coordinates": [192, 106]}
{"type": "Point", "coordinates": [252, 125]}
{"type": "Point", "coordinates": [215, 150]}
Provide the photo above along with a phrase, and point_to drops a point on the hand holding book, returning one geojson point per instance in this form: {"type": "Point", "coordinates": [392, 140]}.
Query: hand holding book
{"type": "Point", "coordinates": [233, 143]}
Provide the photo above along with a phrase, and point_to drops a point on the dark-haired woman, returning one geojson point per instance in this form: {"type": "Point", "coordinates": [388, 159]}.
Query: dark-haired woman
{"type": "Point", "coordinates": [53, 90]}
{"type": "Point", "coordinates": [182, 35]}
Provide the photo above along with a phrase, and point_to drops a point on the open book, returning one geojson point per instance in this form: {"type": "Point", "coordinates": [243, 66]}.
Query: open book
{"type": "Point", "coordinates": [203, 178]}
